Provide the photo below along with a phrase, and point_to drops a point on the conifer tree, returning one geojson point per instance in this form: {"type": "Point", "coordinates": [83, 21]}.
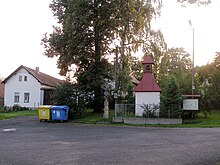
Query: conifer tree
{"type": "Point", "coordinates": [170, 104]}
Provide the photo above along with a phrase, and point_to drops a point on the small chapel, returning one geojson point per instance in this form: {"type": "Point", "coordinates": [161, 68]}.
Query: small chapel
{"type": "Point", "coordinates": [147, 91]}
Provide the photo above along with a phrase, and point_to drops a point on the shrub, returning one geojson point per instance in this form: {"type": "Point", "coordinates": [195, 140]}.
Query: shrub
{"type": "Point", "coordinates": [150, 110]}
{"type": "Point", "coordinates": [68, 94]}
{"type": "Point", "coordinates": [171, 99]}
{"type": "Point", "coordinates": [14, 108]}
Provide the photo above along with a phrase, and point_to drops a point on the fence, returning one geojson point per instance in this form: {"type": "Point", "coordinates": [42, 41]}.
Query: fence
{"type": "Point", "coordinates": [145, 110]}
{"type": "Point", "coordinates": [128, 110]}
{"type": "Point", "coordinates": [125, 113]}
{"type": "Point", "coordinates": [124, 110]}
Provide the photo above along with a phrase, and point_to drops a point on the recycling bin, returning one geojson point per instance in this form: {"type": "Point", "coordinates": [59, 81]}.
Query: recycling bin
{"type": "Point", "coordinates": [59, 113]}
{"type": "Point", "coordinates": [44, 112]}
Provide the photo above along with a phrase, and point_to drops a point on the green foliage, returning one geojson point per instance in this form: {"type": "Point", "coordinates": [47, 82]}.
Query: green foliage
{"type": "Point", "coordinates": [14, 108]}
{"type": "Point", "coordinates": [92, 80]}
{"type": "Point", "coordinates": [150, 110]}
{"type": "Point", "coordinates": [209, 77]}
{"type": "Point", "coordinates": [69, 94]}
{"type": "Point", "coordinates": [179, 65]}
{"type": "Point", "coordinates": [130, 98]}
{"type": "Point", "coordinates": [85, 35]}
{"type": "Point", "coordinates": [83, 38]}
{"type": "Point", "coordinates": [133, 22]}
{"type": "Point", "coordinates": [197, 2]}
{"type": "Point", "coordinates": [214, 91]}
{"type": "Point", "coordinates": [170, 104]}
{"type": "Point", "coordinates": [156, 45]}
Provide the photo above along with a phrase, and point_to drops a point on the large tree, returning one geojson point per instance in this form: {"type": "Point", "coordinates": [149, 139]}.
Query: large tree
{"type": "Point", "coordinates": [179, 65]}
{"type": "Point", "coordinates": [85, 33]}
{"type": "Point", "coordinates": [82, 38]}
{"type": "Point", "coordinates": [134, 21]}
{"type": "Point", "coordinates": [197, 2]}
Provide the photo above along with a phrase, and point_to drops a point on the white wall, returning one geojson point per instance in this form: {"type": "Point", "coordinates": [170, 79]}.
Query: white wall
{"type": "Point", "coordinates": [142, 98]}
{"type": "Point", "coordinates": [31, 86]}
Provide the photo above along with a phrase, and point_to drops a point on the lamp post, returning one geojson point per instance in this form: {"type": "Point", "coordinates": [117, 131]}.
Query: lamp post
{"type": "Point", "coordinates": [193, 72]}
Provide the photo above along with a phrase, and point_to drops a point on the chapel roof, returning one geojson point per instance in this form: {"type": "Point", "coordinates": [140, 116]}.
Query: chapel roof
{"type": "Point", "coordinates": [147, 82]}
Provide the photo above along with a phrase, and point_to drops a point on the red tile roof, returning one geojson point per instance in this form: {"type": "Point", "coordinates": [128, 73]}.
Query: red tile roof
{"type": "Point", "coordinates": [147, 84]}
{"type": "Point", "coordinates": [43, 78]}
{"type": "Point", "coordinates": [148, 60]}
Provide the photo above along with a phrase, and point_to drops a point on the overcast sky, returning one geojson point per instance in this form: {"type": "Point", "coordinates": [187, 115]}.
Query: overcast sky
{"type": "Point", "coordinates": [23, 23]}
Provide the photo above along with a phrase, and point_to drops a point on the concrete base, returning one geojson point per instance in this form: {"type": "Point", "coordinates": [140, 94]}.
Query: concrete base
{"type": "Point", "coordinates": [146, 120]}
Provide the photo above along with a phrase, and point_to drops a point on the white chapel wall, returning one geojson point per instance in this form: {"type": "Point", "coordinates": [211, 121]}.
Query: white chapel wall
{"type": "Point", "coordinates": [142, 98]}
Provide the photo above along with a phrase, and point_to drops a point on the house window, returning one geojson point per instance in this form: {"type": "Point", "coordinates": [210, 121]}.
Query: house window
{"type": "Point", "coordinates": [26, 97]}
{"type": "Point", "coordinates": [16, 97]}
{"type": "Point", "coordinates": [25, 78]}
{"type": "Point", "coordinates": [20, 78]}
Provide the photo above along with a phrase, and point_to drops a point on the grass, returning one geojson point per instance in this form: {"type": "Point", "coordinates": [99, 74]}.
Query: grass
{"type": "Point", "coordinates": [200, 121]}
{"type": "Point", "coordinates": [211, 121]}
{"type": "Point", "coordinates": [8, 115]}
{"type": "Point", "coordinates": [93, 118]}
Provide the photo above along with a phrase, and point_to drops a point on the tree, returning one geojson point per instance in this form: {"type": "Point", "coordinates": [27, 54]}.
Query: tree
{"type": "Point", "coordinates": [134, 21]}
{"type": "Point", "coordinates": [197, 2]}
{"type": "Point", "coordinates": [85, 35]}
{"type": "Point", "coordinates": [82, 38]}
{"type": "Point", "coordinates": [214, 91]}
{"type": "Point", "coordinates": [69, 94]}
{"type": "Point", "coordinates": [156, 45]}
{"type": "Point", "coordinates": [208, 77]}
{"type": "Point", "coordinates": [170, 104]}
{"type": "Point", "coordinates": [179, 65]}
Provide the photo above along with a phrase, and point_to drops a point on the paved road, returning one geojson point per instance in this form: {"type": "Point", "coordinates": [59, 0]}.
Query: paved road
{"type": "Point", "coordinates": [24, 140]}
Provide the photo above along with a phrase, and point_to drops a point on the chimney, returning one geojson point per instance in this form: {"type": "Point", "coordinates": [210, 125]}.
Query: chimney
{"type": "Point", "coordinates": [37, 69]}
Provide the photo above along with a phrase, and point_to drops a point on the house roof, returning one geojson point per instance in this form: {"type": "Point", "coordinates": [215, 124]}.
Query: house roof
{"type": "Point", "coordinates": [134, 80]}
{"type": "Point", "coordinates": [147, 84]}
{"type": "Point", "coordinates": [43, 78]}
{"type": "Point", "coordinates": [1, 89]}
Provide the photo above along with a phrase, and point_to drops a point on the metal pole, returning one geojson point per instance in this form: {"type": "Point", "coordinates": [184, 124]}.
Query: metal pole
{"type": "Point", "coordinates": [193, 72]}
{"type": "Point", "coordinates": [193, 87]}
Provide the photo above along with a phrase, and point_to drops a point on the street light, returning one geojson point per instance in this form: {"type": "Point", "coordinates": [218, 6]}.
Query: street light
{"type": "Point", "coordinates": [193, 72]}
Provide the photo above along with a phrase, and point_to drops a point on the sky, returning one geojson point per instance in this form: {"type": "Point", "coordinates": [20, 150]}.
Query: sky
{"type": "Point", "coordinates": [174, 23]}
{"type": "Point", "coordinates": [24, 22]}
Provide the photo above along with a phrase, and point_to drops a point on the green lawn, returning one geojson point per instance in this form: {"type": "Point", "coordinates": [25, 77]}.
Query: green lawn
{"type": "Point", "coordinates": [200, 121]}
{"type": "Point", "coordinates": [8, 115]}
{"type": "Point", "coordinates": [93, 118]}
{"type": "Point", "coordinates": [212, 120]}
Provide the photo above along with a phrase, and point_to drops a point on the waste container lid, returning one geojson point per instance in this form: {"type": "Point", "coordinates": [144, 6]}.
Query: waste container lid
{"type": "Point", "coordinates": [60, 107]}
{"type": "Point", "coordinates": [45, 106]}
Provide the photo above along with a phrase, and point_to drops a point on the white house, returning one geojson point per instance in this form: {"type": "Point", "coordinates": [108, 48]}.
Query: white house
{"type": "Point", "coordinates": [28, 87]}
{"type": "Point", "coordinates": [147, 91]}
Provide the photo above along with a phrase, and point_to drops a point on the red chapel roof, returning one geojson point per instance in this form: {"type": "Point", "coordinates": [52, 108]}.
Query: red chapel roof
{"type": "Point", "coordinates": [147, 84]}
{"type": "Point", "coordinates": [148, 60]}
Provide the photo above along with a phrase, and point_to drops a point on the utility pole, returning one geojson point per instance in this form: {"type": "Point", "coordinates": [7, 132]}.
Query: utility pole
{"type": "Point", "coordinates": [193, 72]}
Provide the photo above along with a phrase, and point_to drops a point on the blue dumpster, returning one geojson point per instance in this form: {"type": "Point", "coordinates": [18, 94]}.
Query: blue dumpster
{"type": "Point", "coordinates": [59, 113]}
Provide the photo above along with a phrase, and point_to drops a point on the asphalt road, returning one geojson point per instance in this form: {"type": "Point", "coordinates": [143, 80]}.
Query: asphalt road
{"type": "Point", "coordinates": [25, 140]}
